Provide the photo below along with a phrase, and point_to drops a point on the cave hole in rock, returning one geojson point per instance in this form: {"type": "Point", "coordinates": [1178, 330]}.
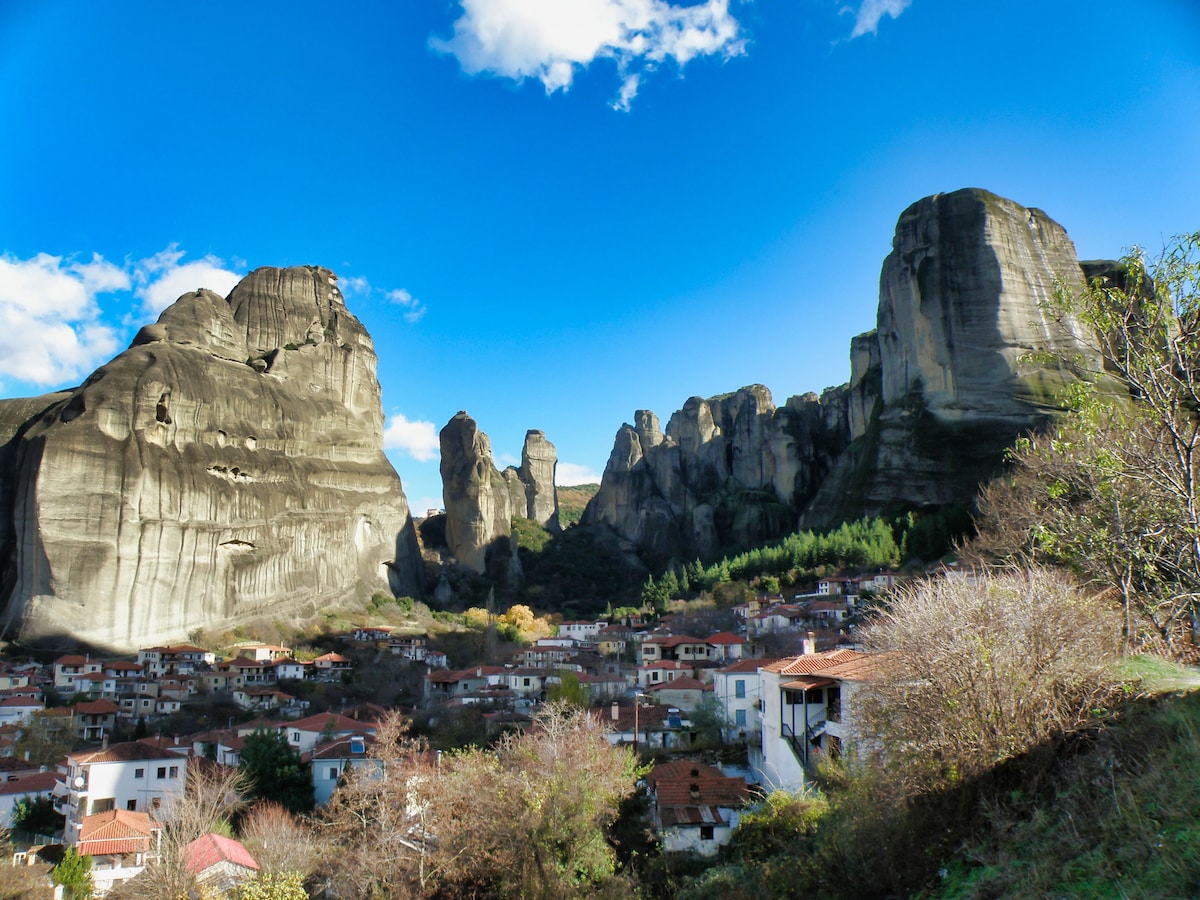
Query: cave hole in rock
{"type": "Point", "coordinates": [162, 412]}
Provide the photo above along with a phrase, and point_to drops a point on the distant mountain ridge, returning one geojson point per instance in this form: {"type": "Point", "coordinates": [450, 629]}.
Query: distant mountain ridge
{"type": "Point", "coordinates": [944, 383]}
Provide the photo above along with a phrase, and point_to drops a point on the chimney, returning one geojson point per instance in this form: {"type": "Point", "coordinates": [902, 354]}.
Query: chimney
{"type": "Point", "coordinates": [104, 742]}
{"type": "Point", "coordinates": [810, 643]}
{"type": "Point", "coordinates": [616, 712]}
{"type": "Point", "coordinates": [479, 672]}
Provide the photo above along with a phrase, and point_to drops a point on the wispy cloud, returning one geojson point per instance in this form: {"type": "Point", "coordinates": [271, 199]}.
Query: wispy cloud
{"type": "Point", "coordinates": [551, 40]}
{"type": "Point", "coordinates": [357, 285]}
{"type": "Point", "coordinates": [418, 439]}
{"type": "Point", "coordinates": [572, 473]}
{"type": "Point", "coordinates": [866, 19]}
{"type": "Point", "coordinates": [414, 309]}
{"type": "Point", "coordinates": [50, 328]}
{"type": "Point", "coordinates": [162, 279]}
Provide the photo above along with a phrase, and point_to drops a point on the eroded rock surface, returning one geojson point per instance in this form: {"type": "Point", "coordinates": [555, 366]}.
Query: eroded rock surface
{"type": "Point", "coordinates": [228, 464]}
{"type": "Point", "coordinates": [539, 460]}
{"type": "Point", "coordinates": [478, 501]}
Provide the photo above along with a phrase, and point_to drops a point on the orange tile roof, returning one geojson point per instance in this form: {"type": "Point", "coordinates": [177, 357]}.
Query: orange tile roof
{"type": "Point", "coordinates": [116, 832]}
{"type": "Point", "coordinates": [808, 663]}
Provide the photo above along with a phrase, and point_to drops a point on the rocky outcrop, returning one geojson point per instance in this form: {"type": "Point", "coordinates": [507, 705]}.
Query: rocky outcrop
{"type": "Point", "coordinates": [539, 460]}
{"type": "Point", "coordinates": [228, 464]}
{"type": "Point", "coordinates": [729, 470]}
{"type": "Point", "coordinates": [955, 370]}
{"type": "Point", "coordinates": [478, 501]}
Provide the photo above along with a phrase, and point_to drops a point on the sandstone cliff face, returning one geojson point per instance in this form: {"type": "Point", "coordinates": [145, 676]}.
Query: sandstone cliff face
{"type": "Point", "coordinates": [539, 460]}
{"type": "Point", "coordinates": [728, 470]}
{"type": "Point", "coordinates": [478, 501]}
{"type": "Point", "coordinates": [228, 463]}
{"type": "Point", "coordinates": [937, 391]}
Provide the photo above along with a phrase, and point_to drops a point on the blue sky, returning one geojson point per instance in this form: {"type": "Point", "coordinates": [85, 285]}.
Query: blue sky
{"type": "Point", "coordinates": [551, 213]}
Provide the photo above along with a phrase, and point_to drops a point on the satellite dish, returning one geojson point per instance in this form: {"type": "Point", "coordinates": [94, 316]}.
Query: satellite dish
{"type": "Point", "coordinates": [79, 782]}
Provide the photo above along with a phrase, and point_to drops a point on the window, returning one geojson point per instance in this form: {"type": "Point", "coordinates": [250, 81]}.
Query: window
{"type": "Point", "coordinates": [739, 689]}
{"type": "Point", "coordinates": [333, 773]}
{"type": "Point", "coordinates": [174, 771]}
{"type": "Point", "coordinates": [131, 805]}
{"type": "Point", "coordinates": [139, 773]}
{"type": "Point", "coordinates": [739, 718]}
{"type": "Point", "coordinates": [162, 772]}
{"type": "Point", "coordinates": [706, 832]}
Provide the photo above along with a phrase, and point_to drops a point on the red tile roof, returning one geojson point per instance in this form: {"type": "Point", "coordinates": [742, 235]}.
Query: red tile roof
{"type": "Point", "coordinates": [686, 683]}
{"type": "Point", "coordinates": [116, 832]}
{"type": "Point", "coordinates": [333, 721]}
{"type": "Point", "coordinates": [724, 638]}
{"type": "Point", "coordinates": [37, 783]}
{"type": "Point", "coordinates": [212, 849]}
{"type": "Point", "coordinates": [96, 708]}
{"type": "Point", "coordinates": [688, 783]}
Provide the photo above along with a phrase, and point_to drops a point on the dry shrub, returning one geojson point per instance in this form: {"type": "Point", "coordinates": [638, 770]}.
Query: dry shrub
{"type": "Point", "coordinates": [280, 841]}
{"type": "Point", "coordinates": [979, 670]}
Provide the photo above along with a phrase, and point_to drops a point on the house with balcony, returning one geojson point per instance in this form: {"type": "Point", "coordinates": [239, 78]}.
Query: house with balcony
{"type": "Point", "coordinates": [67, 667]}
{"type": "Point", "coordinates": [95, 719]}
{"type": "Point", "coordinates": [662, 671]}
{"type": "Point", "coordinates": [676, 646]}
{"type": "Point", "coordinates": [807, 710]}
{"type": "Point", "coordinates": [121, 844]}
{"type": "Point", "coordinates": [133, 776]}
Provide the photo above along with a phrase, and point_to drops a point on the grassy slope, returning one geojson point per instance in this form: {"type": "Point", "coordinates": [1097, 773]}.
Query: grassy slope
{"type": "Point", "coordinates": [1123, 820]}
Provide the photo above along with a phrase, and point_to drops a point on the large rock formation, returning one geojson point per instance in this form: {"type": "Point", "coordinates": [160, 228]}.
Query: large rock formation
{"type": "Point", "coordinates": [482, 502]}
{"type": "Point", "coordinates": [478, 501]}
{"type": "Point", "coordinates": [728, 471]}
{"type": "Point", "coordinates": [953, 373]}
{"type": "Point", "coordinates": [229, 463]}
{"type": "Point", "coordinates": [538, 464]}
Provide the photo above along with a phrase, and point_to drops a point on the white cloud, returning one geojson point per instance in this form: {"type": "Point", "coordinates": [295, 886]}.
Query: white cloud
{"type": "Point", "coordinates": [866, 21]}
{"type": "Point", "coordinates": [572, 473]}
{"type": "Point", "coordinates": [50, 331]}
{"type": "Point", "coordinates": [550, 39]}
{"type": "Point", "coordinates": [355, 284]}
{"type": "Point", "coordinates": [507, 459]}
{"type": "Point", "coordinates": [415, 308]}
{"type": "Point", "coordinates": [162, 280]}
{"type": "Point", "coordinates": [418, 439]}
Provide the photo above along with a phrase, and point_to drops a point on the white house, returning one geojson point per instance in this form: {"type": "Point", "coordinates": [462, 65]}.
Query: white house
{"type": "Point", "coordinates": [305, 734]}
{"type": "Point", "coordinates": [121, 844]}
{"type": "Point", "coordinates": [330, 760]}
{"type": "Point", "coordinates": [133, 776]}
{"type": "Point", "coordinates": [737, 688]}
{"type": "Point", "coordinates": [803, 703]}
